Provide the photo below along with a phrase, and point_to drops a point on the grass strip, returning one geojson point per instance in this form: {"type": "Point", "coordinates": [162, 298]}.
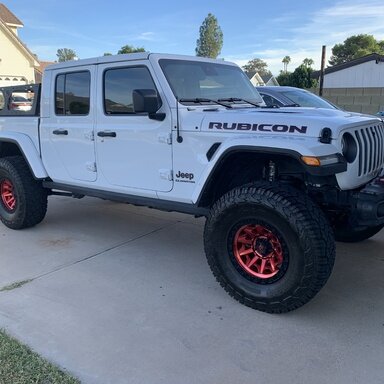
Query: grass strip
{"type": "Point", "coordinates": [19, 365]}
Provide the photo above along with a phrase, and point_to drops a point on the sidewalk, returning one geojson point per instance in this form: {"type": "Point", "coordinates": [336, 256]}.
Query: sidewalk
{"type": "Point", "coordinates": [122, 294]}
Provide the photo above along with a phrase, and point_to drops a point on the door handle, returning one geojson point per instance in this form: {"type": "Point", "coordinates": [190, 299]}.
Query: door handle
{"type": "Point", "coordinates": [60, 132]}
{"type": "Point", "coordinates": [106, 134]}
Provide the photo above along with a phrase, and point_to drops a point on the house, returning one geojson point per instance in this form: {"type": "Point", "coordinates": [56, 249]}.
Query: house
{"type": "Point", "coordinates": [364, 72]}
{"type": "Point", "coordinates": [17, 63]}
{"type": "Point", "coordinates": [357, 85]}
{"type": "Point", "coordinates": [262, 80]}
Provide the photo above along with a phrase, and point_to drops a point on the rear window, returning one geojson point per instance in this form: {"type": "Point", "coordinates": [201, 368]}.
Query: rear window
{"type": "Point", "coordinates": [72, 96]}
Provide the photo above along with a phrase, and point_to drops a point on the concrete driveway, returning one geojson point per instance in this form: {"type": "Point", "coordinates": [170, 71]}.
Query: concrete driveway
{"type": "Point", "coordinates": [121, 294]}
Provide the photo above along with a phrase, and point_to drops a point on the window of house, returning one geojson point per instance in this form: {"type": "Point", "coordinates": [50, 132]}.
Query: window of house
{"type": "Point", "coordinates": [119, 83]}
{"type": "Point", "coordinates": [72, 95]}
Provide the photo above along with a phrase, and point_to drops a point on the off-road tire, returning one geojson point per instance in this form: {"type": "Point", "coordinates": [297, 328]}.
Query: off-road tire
{"type": "Point", "coordinates": [306, 239]}
{"type": "Point", "coordinates": [29, 199]}
{"type": "Point", "coordinates": [346, 234]}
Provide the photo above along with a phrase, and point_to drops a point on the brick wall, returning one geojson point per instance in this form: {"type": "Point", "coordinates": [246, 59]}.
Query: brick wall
{"type": "Point", "coordinates": [364, 100]}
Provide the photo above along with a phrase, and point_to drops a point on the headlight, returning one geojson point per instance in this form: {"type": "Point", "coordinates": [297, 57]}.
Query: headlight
{"type": "Point", "coordinates": [321, 160]}
{"type": "Point", "coordinates": [348, 147]}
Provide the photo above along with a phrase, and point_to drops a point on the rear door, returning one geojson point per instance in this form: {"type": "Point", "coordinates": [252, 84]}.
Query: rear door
{"type": "Point", "coordinates": [68, 148]}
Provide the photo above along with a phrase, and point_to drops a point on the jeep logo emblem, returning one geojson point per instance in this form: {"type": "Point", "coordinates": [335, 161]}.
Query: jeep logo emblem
{"type": "Point", "coordinates": [182, 175]}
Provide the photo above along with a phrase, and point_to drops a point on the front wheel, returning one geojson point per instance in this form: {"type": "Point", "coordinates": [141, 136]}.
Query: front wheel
{"type": "Point", "coordinates": [23, 200]}
{"type": "Point", "coordinates": [269, 246]}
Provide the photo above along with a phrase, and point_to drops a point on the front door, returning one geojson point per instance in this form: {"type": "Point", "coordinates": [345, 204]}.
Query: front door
{"type": "Point", "coordinates": [132, 150]}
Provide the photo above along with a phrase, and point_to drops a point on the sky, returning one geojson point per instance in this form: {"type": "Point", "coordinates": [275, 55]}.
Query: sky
{"type": "Point", "coordinates": [268, 30]}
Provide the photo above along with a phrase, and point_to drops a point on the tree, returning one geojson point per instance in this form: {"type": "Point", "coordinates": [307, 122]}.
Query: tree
{"type": "Point", "coordinates": [211, 38]}
{"type": "Point", "coordinates": [354, 47]}
{"type": "Point", "coordinates": [107, 54]}
{"type": "Point", "coordinates": [256, 65]}
{"type": "Point", "coordinates": [284, 78]}
{"type": "Point", "coordinates": [302, 77]}
{"type": "Point", "coordinates": [308, 62]}
{"type": "Point", "coordinates": [130, 49]}
{"type": "Point", "coordinates": [286, 61]}
{"type": "Point", "coordinates": [66, 54]}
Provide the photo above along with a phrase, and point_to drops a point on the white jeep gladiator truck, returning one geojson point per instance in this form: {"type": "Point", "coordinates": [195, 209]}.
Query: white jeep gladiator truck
{"type": "Point", "coordinates": [277, 185]}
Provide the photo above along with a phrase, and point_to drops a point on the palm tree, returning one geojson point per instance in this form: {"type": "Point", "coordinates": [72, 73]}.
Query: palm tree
{"type": "Point", "coordinates": [286, 61]}
{"type": "Point", "coordinates": [308, 62]}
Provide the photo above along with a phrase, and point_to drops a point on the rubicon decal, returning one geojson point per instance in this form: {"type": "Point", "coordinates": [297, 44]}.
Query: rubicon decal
{"type": "Point", "coordinates": [184, 177]}
{"type": "Point", "coordinates": [279, 128]}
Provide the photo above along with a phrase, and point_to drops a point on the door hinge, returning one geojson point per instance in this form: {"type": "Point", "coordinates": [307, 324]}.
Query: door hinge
{"type": "Point", "coordinates": [90, 136]}
{"type": "Point", "coordinates": [165, 138]}
{"type": "Point", "coordinates": [91, 166]}
{"type": "Point", "coordinates": [166, 174]}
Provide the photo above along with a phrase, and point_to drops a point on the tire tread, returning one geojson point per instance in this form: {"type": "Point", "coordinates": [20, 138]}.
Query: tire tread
{"type": "Point", "coordinates": [301, 213]}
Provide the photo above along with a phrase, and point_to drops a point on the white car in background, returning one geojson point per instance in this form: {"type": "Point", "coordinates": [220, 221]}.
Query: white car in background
{"type": "Point", "coordinates": [20, 103]}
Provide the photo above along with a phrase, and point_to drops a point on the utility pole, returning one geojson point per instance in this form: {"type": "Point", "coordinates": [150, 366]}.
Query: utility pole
{"type": "Point", "coordinates": [322, 70]}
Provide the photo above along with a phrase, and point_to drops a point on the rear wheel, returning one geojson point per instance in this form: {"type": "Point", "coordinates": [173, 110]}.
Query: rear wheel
{"type": "Point", "coordinates": [269, 246]}
{"type": "Point", "coordinates": [23, 200]}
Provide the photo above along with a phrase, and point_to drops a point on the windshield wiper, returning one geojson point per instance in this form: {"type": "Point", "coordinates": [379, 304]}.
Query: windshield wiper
{"type": "Point", "coordinates": [199, 100]}
{"type": "Point", "coordinates": [234, 99]}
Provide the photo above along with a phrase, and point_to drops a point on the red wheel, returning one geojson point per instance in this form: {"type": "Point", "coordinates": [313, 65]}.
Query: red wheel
{"type": "Point", "coordinates": [7, 195]}
{"type": "Point", "coordinates": [269, 246]}
{"type": "Point", "coordinates": [23, 200]}
{"type": "Point", "coordinates": [258, 251]}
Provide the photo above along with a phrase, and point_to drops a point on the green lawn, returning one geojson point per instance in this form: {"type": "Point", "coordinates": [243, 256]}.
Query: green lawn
{"type": "Point", "coordinates": [19, 365]}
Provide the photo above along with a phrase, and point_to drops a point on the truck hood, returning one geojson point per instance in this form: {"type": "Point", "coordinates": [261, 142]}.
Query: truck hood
{"type": "Point", "coordinates": [295, 121]}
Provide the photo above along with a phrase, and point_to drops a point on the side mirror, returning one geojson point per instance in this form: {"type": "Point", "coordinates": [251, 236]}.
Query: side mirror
{"type": "Point", "coordinates": [147, 101]}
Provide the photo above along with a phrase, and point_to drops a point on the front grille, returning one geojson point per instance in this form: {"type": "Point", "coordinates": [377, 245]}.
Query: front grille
{"type": "Point", "coordinates": [370, 142]}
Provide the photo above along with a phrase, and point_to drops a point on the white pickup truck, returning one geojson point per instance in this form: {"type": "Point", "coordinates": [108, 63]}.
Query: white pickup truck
{"type": "Point", "coordinates": [188, 134]}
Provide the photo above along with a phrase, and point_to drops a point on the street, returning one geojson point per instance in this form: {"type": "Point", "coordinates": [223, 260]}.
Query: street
{"type": "Point", "coordinates": [121, 294]}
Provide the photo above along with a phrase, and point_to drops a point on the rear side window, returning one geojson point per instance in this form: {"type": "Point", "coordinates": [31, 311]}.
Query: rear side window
{"type": "Point", "coordinates": [119, 83]}
{"type": "Point", "coordinates": [72, 96]}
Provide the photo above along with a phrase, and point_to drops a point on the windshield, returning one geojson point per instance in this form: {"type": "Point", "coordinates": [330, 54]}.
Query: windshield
{"type": "Point", "coordinates": [201, 80]}
{"type": "Point", "coordinates": [306, 99]}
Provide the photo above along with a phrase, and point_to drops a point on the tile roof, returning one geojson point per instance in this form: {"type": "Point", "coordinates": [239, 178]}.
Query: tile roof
{"type": "Point", "coordinates": [44, 64]}
{"type": "Point", "coordinates": [8, 17]}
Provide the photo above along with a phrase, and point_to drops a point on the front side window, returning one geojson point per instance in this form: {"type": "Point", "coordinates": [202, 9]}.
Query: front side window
{"type": "Point", "coordinates": [72, 96]}
{"type": "Point", "coordinates": [119, 83]}
{"type": "Point", "coordinates": [203, 80]}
